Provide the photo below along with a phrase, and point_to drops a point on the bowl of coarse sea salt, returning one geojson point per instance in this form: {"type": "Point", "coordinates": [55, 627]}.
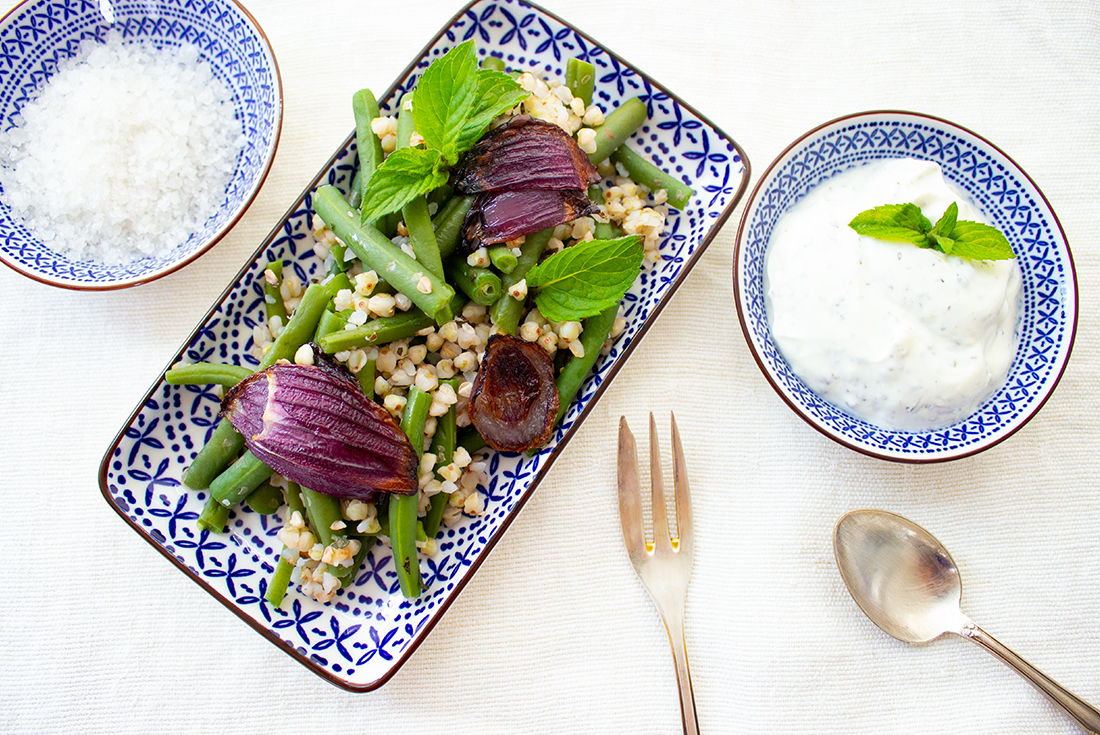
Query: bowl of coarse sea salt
{"type": "Point", "coordinates": [899, 351]}
{"type": "Point", "coordinates": [133, 136]}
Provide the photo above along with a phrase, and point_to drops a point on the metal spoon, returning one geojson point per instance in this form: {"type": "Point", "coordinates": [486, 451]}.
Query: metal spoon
{"type": "Point", "coordinates": [907, 584]}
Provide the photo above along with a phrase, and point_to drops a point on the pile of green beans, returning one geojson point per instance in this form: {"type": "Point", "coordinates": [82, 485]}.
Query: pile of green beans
{"type": "Point", "coordinates": [438, 282]}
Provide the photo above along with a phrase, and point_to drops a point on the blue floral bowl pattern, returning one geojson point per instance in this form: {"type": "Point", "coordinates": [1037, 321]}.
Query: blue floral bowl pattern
{"type": "Point", "coordinates": [360, 639]}
{"type": "Point", "coordinates": [39, 34]}
{"type": "Point", "coordinates": [1002, 192]}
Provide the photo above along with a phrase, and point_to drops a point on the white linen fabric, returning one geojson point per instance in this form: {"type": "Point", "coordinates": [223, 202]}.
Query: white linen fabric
{"type": "Point", "coordinates": [555, 634]}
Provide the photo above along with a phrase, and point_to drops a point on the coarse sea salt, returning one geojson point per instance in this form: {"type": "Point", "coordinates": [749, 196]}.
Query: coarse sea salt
{"type": "Point", "coordinates": [126, 151]}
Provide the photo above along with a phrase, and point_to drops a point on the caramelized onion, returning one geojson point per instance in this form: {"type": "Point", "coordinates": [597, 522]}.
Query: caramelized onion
{"type": "Point", "coordinates": [514, 401]}
{"type": "Point", "coordinates": [314, 426]}
{"type": "Point", "coordinates": [525, 153]}
{"type": "Point", "coordinates": [500, 216]}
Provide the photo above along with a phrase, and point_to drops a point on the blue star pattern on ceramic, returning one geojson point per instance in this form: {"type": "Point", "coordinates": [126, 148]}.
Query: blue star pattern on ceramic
{"type": "Point", "coordinates": [1002, 192]}
{"type": "Point", "coordinates": [360, 639]}
{"type": "Point", "coordinates": [38, 35]}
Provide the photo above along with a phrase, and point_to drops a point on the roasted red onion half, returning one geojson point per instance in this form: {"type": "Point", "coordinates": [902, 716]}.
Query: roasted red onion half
{"type": "Point", "coordinates": [313, 425]}
{"type": "Point", "coordinates": [525, 153]}
{"type": "Point", "coordinates": [505, 215]}
{"type": "Point", "coordinates": [514, 400]}
{"type": "Point", "coordinates": [529, 175]}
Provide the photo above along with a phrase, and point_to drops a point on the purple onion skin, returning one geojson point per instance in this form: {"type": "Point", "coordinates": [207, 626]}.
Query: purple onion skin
{"type": "Point", "coordinates": [525, 153]}
{"type": "Point", "coordinates": [501, 216]}
{"type": "Point", "coordinates": [514, 399]}
{"type": "Point", "coordinates": [314, 426]}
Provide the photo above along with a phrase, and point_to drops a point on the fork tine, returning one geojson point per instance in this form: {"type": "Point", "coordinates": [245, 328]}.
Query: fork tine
{"type": "Point", "coordinates": [661, 539]}
{"type": "Point", "coordinates": [630, 502]}
{"type": "Point", "coordinates": [683, 495]}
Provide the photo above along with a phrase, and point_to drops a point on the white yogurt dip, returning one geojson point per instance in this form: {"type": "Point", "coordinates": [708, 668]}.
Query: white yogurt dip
{"type": "Point", "coordinates": [903, 337]}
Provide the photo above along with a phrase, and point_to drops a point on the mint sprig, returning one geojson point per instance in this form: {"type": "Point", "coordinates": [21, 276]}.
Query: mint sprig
{"type": "Point", "coordinates": [454, 103]}
{"type": "Point", "coordinates": [586, 279]}
{"type": "Point", "coordinates": [906, 223]}
{"type": "Point", "coordinates": [409, 173]}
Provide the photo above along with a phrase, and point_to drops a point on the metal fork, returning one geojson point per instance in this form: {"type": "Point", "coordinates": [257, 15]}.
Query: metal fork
{"type": "Point", "coordinates": [664, 566]}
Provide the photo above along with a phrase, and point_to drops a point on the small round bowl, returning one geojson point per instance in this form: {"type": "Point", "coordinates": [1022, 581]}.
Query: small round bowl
{"type": "Point", "coordinates": [1002, 192]}
{"type": "Point", "coordinates": [38, 34]}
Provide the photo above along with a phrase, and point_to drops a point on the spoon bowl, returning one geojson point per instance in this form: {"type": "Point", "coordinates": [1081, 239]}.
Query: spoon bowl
{"type": "Point", "coordinates": [907, 584]}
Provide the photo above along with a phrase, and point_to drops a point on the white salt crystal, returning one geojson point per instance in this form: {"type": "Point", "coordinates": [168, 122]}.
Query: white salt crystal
{"type": "Point", "coordinates": [125, 152]}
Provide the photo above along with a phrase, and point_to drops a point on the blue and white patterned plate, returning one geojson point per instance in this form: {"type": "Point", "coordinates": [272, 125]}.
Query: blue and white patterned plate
{"type": "Point", "coordinates": [361, 638]}
{"type": "Point", "coordinates": [1002, 192]}
{"type": "Point", "coordinates": [37, 35]}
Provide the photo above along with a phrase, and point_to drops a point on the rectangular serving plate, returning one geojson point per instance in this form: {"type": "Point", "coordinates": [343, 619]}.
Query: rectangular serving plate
{"type": "Point", "coordinates": [360, 639]}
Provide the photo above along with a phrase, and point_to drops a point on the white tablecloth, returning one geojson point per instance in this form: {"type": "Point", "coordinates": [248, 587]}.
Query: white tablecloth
{"type": "Point", "coordinates": [555, 634]}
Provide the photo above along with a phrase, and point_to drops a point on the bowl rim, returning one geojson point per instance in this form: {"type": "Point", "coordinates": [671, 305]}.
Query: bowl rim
{"type": "Point", "coordinates": [423, 632]}
{"type": "Point", "coordinates": [217, 236]}
{"type": "Point", "coordinates": [1071, 280]}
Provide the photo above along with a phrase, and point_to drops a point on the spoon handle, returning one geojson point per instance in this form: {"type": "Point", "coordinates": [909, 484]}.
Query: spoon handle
{"type": "Point", "coordinates": [1081, 711]}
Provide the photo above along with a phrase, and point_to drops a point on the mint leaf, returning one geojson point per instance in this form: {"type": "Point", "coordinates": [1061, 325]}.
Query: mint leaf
{"type": "Point", "coordinates": [496, 92]}
{"type": "Point", "coordinates": [444, 99]}
{"type": "Point", "coordinates": [906, 223]}
{"type": "Point", "coordinates": [585, 279]}
{"type": "Point", "coordinates": [896, 222]}
{"type": "Point", "coordinates": [942, 243]}
{"type": "Point", "coordinates": [405, 174]}
{"type": "Point", "coordinates": [947, 221]}
{"type": "Point", "coordinates": [980, 242]}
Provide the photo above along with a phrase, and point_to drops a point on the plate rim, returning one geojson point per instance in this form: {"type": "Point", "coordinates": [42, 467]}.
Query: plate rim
{"type": "Point", "coordinates": [506, 523]}
{"type": "Point", "coordinates": [1073, 295]}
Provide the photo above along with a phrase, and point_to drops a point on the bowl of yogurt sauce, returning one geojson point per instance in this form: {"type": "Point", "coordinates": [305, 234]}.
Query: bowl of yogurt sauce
{"type": "Point", "coordinates": [896, 351]}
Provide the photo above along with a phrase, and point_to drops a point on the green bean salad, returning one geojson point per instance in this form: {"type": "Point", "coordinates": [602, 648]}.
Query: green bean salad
{"type": "Point", "coordinates": [409, 307]}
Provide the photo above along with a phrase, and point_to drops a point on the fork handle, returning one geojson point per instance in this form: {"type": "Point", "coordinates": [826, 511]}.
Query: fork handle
{"type": "Point", "coordinates": [674, 626]}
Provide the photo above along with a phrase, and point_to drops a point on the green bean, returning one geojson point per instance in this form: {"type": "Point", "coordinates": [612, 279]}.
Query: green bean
{"type": "Point", "coordinates": [365, 109]}
{"type": "Point", "coordinates": [382, 330]}
{"type": "Point", "coordinates": [470, 440]}
{"type": "Point", "coordinates": [502, 258]}
{"type": "Point", "coordinates": [365, 377]}
{"type": "Point", "coordinates": [294, 500]}
{"type": "Point", "coordinates": [280, 581]}
{"type": "Point", "coordinates": [493, 63]}
{"type": "Point", "coordinates": [355, 196]}
{"type": "Point", "coordinates": [225, 442]}
{"type": "Point", "coordinates": [303, 324]}
{"type": "Point", "coordinates": [606, 231]}
{"type": "Point", "coordinates": [329, 323]}
{"type": "Point", "coordinates": [506, 312]}
{"type": "Point", "coordinates": [448, 223]}
{"type": "Point", "coordinates": [240, 479]}
{"type": "Point", "coordinates": [273, 297]}
{"type": "Point", "coordinates": [214, 516]}
{"type": "Point", "coordinates": [266, 499]}
{"type": "Point", "coordinates": [417, 220]}
{"type": "Point", "coordinates": [403, 508]}
{"type": "Point", "coordinates": [443, 447]}
{"type": "Point", "coordinates": [421, 234]}
{"type": "Point", "coordinates": [206, 373]}
{"type": "Point", "coordinates": [618, 126]}
{"type": "Point", "coordinates": [385, 258]}
{"type": "Point", "coordinates": [480, 284]}
{"type": "Point", "coordinates": [580, 77]}
{"type": "Point", "coordinates": [322, 511]}
{"type": "Point", "coordinates": [646, 173]}
{"type": "Point", "coordinates": [384, 525]}
{"type": "Point", "coordinates": [596, 330]}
